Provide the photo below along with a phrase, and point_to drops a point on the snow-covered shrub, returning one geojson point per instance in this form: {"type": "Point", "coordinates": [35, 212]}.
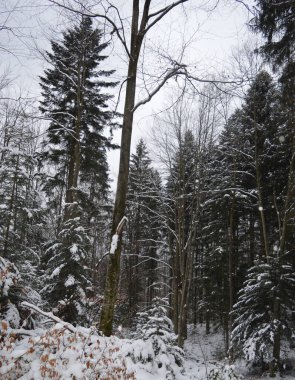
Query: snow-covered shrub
{"type": "Point", "coordinates": [9, 278]}
{"type": "Point", "coordinates": [155, 342]}
{"type": "Point", "coordinates": [61, 354]}
{"type": "Point", "coordinates": [12, 293]}
{"type": "Point", "coordinates": [227, 372]}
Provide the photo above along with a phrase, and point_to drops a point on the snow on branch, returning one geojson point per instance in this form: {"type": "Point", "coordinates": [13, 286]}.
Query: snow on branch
{"type": "Point", "coordinates": [51, 316]}
{"type": "Point", "coordinates": [115, 238]}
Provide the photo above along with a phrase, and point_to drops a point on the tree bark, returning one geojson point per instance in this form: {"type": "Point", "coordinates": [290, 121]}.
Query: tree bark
{"type": "Point", "coordinates": [259, 191]}
{"type": "Point", "coordinates": [11, 205]}
{"type": "Point", "coordinates": [113, 273]}
{"type": "Point", "coordinates": [75, 151]}
{"type": "Point", "coordinates": [138, 32]}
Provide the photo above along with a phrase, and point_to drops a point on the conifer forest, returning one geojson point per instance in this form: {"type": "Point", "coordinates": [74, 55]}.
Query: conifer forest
{"type": "Point", "coordinates": [147, 247]}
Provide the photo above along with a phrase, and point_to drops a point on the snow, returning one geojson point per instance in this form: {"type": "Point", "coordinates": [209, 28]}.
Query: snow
{"type": "Point", "coordinates": [29, 213]}
{"type": "Point", "coordinates": [9, 275]}
{"type": "Point", "coordinates": [83, 354]}
{"type": "Point", "coordinates": [69, 281]}
{"type": "Point", "coordinates": [12, 316]}
{"type": "Point", "coordinates": [74, 248]}
{"type": "Point", "coordinates": [57, 271]}
{"type": "Point", "coordinates": [114, 244]}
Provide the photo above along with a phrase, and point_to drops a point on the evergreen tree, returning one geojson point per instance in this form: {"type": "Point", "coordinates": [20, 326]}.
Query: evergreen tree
{"type": "Point", "coordinates": [182, 195]}
{"type": "Point", "coordinates": [78, 114]}
{"type": "Point", "coordinates": [262, 168]}
{"type": "Point", "coordinates": [21, 214]}
{"type": "Point", "coordinates": [275, 20]}
{"type": "Point", "coordinates": [160, 343]}
{"type": "Point", "coordinates": [256, 320]}
{"type": "Point", "coordinates": [144, 227]}
{"type": "Point", "coordinates": [245, 190]}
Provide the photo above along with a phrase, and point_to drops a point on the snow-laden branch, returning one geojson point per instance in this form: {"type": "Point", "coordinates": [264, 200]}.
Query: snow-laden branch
{"type": "Point", "coordinates": [51, 316]}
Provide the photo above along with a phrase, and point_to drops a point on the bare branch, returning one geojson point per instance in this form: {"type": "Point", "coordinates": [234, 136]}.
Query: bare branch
{"type": "Point", "coordinates": [161, 13]}
{"type": "Point", "coordinates": [246, 6]}
{"type": "Point", "coordinates": [103, 16]}
{"type": "Point", "coordinates": [171, 73]}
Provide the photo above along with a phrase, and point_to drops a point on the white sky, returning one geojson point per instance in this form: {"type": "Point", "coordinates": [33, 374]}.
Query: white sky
{"type": "Point", "coordinates": [212, 35]}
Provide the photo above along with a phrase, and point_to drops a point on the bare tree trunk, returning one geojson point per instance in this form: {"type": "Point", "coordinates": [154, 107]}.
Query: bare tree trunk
{"type": "Point", "coordinates": [113, 273]}
{"type": "Point", "coordinates": [231, 251]}
{"type": "Point", "coordinates": [71, 208]}
{"type": "Point", "coordinates": [259, 191]}
{"type": "Point", "coordinates": [289, 209]}
{"type": "Point", "coordinates": [11, 205]}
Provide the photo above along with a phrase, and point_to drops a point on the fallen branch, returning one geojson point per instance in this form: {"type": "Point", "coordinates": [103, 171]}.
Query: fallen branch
{"type": "Point", "coordinates": [51, 316]}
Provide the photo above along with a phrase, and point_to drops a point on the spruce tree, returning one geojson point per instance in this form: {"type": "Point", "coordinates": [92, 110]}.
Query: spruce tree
{"type": "Point", "coordinates": [275, 20]}
{"type": "Point", "coordinates": [248, 177]}
{"type": "Point", "coordinates": [155, 329]}
{"type": "Point", "coordinates": [256, 320]}
{"type": "Point", "coordinates": [78, 111]}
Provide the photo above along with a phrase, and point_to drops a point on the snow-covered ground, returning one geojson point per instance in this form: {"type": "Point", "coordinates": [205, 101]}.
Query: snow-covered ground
{"type": "Point", "coordinates": [205, 354]}
{"type": "Point", "coordinates": [80, 354]}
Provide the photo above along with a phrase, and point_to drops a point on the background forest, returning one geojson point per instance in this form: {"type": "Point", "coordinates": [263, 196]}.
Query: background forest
{"type": "Point", "coordinates": [202, 229]}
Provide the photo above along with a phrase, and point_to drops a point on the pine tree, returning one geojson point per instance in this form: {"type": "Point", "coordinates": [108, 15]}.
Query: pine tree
{"type": "Point", "coordinates": [78, 114]}
{"type": "Point", "coordinates": [275, 20]}
{"type": "Point", "coordinates": [256, 320]}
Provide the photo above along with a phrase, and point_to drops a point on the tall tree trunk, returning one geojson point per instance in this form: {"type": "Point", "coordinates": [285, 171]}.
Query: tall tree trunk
{"type": "Point", "coordinates": [231, 251]}
{"type": "Point", "coordinates": [259, 191]}
{"type": "Point", "coordinates": [113, 273]}
{"type": "Point", "coordinates": [71, 208]}
{"type": "Point", "coordinates": [137, 34]}
{"type": "Point", "coordinates": [288, 214]}
{"type": "Point", "coordinates": [11, 206]}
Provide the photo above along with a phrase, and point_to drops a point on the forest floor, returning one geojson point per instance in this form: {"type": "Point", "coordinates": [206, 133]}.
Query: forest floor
{"type": "Point", "coordinates": [66, 352]}
{"type": "Point", "coordinates": [206, 354]}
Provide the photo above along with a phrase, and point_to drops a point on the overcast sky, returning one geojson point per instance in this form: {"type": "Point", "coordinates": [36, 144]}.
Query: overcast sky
{"type": "Point", "coordinates": [210, 35]}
